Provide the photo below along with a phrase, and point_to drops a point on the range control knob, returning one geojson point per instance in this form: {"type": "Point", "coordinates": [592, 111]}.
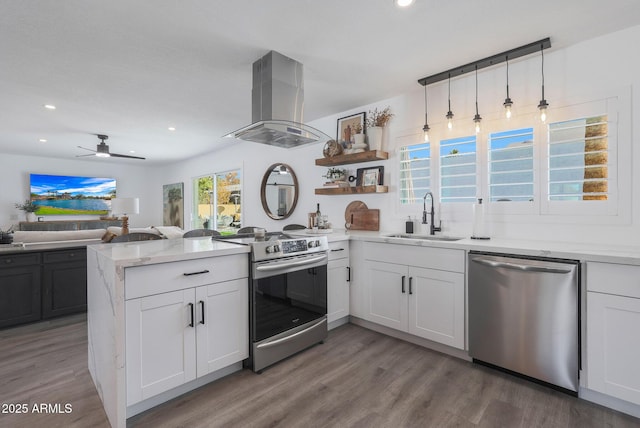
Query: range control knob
{"type": "Point", "coordinates": [317, 243]}
{"type": "Point", "coordinates": [270, 249]}
{"type": "Point", "coordinates": [311, 244]}
{"type": "Point", "coordinates": [276, 248]}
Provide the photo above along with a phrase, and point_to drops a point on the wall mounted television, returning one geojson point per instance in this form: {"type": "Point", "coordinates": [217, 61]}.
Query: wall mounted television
{"type": "Point", "coordinates": [70, 195]}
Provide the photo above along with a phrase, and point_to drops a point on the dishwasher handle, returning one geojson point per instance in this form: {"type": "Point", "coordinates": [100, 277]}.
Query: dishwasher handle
{"type": "Point", "coordinates": [524, 268]}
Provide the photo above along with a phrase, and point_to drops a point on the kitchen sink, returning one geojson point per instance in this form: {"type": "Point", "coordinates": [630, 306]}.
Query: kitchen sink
{"type": "Point", "coordinates": [424, 237]}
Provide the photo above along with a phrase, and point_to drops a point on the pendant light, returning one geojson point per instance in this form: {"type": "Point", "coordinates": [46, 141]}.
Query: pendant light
{"type": "Point", "coordinates": [507, 101]}
{"type": "Point", "coordinates": [543, 103]}
{"type": "Point", "coordinates": [449, 113]}
{"type": "Point", "coordinates": [477, 119]}
{"type": "Point", "coordinates": [425, 128]}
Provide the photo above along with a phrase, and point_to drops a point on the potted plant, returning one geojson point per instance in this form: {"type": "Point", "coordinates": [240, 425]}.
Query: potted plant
{"type": "Point", "coordinates": [376, 121]}
{"type": "Point", "coordinates": [336, 174]}
{"type": "Point", "coordinates": [29, 207]}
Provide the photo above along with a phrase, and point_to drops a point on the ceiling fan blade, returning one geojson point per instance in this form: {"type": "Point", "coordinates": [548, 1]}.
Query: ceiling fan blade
{"type": "Point", "coordinates": [84, 148]}
{"type": "Point", "coordinates": [116, 155]}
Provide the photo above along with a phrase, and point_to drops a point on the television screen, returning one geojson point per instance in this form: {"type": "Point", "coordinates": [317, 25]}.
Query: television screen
{"type": "Point", "coordinates": [68, 195]}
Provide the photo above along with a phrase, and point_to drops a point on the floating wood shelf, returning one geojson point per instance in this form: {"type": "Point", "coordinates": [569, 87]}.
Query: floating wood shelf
{"type": "Point", "coordinates": [352, 190]}
{"type": "Point", "coordinates": [368, 156]}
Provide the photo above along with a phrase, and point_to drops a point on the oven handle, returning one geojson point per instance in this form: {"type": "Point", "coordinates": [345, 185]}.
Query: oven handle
{"type": "Point", "coordinates": [284, 265]}
{"type": "Point", "coordinates": [288, 338]}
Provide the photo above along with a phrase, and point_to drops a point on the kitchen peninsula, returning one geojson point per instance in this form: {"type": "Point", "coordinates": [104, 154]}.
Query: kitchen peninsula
{"type": "Point", "coordinates": [139, 353]}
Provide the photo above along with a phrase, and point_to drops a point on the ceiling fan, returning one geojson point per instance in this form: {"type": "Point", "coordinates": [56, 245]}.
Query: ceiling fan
{"type": "Point", "coordinates": [102, 150]}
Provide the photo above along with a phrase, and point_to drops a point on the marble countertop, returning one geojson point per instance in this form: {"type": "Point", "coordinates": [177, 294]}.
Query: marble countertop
{"type": "Point", "coordinates": [166, 250]}
{"type": "Point", "coordinates": [606, 253]}
{"type": "Point", "coordinates": [17, 248]}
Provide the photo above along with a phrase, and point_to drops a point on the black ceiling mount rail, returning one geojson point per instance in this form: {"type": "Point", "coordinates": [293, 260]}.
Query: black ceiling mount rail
{"type": "Point", "coordinates": [488, 61]}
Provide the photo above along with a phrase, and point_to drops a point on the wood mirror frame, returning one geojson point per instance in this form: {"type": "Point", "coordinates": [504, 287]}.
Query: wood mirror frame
{"type": "Point", "coordinates": [272, 173]}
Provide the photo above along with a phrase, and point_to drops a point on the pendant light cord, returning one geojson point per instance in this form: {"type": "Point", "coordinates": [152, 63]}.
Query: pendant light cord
{"type": "Point", "coordinates": [476, 90]}
{"type": "Point", "coordinates": [542, 52]}
{"type": "Point", "coordinates": [426, 121]}
{"type": "Point", "coordinates": [507, 77]}
{"type": "Point", "coordinates": [449, 92]}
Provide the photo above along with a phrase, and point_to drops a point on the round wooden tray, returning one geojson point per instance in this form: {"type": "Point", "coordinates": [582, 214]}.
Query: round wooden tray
{"type": "Point", "coordinates": [353, 206]}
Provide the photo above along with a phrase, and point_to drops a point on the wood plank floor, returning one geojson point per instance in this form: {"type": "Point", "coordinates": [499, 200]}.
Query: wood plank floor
{"type": "Point", "coordinates": [358, 378]}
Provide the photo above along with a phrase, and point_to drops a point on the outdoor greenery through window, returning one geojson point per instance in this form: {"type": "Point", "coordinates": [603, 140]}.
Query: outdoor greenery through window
{"type": "Point", "coordinates": [578, 159]}
{"type": "Point", "coordinates": [415, 172]}
{"type": "Point", "coordinates": [511, 165]}
{"type": "Point", "coordinates": [217, 202]}
{"type": "Point", "coordinates": [458, 169]}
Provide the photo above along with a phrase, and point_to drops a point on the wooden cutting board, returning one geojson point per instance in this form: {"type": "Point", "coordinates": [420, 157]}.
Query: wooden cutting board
{"type": "Point", "coordinates": [365, 220]}
{"type": "Point", "coordinates": [353, 206]}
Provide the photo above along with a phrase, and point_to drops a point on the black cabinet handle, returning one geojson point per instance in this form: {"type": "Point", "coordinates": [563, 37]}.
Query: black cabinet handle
{"type": "Point", "coordinates": [348, 274]}
{"type": "Point", "coordinates": [202, 307]}
{"type": "Point", "coordinates": [191, 324]}
{"type": "Point", "coordinates": [337, 249]}
{"type": "Point", "coordinates": [410, 287]}
{"type": "Point", "coordinates": [403, 277]}
{"type": "Point", "coordinates": [196, 273]}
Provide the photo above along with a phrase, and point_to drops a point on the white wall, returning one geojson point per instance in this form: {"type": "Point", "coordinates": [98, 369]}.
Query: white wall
{"type": "Point", "coordinates": [131, 181]}
{"type": "Point", "coordinates": [600, 66]}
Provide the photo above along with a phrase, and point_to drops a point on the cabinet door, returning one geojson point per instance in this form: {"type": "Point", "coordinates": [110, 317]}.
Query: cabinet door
{"type": "Point", "coordinates": [64, 289]}
{"type": "Point", "coordinates": [613, 349]}
{"type": "Point", "coordinates": [160, 343]}
{"type": "Point", "coordinates": [19, 295]}
{"type": "Point", "coordinates": [222, 324]}
{"type": "Point", "coordinates": [387, 294]}
{"type": "Point", "coordinates": [436, 306]}
{"type": "Point", "coordinates": [337, 289]}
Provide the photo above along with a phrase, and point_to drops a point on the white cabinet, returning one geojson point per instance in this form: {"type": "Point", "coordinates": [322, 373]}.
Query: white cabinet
{"type": "Point", "coordinates": [613, 322]}
{"type": "Point", "coordinates": [338, 277]}
{"type": "Point", "coordinates": [175, 337]}
{"type": "Point", "coordinates": [416, 290]}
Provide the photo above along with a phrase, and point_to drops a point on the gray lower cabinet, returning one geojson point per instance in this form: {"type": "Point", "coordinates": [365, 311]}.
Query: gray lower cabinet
{"type": "Point", "coordinates": [64, 282]}
{"type": "Point", "coordinates": [20, 284]}
{"type": "Point", "coordinates": [42, 284]}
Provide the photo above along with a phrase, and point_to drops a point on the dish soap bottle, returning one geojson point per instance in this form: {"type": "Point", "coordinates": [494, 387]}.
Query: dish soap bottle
{"type": "Point", "coordinates": [318, 217]}
{"type": "Point", "coordinates": [408, 226]}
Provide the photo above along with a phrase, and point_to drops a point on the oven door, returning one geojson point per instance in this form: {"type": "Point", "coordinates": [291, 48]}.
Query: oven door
{"type": "Point", "coordinates": [287, 293]}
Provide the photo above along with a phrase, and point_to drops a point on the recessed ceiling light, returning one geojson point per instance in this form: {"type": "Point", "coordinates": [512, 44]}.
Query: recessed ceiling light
{"type": "Point", "coordinates": [42, 140]}
{"type": "Point", "coordinates": [49, 106]}
{"type": "Point", "coordinates": [132, 151]}
{"type": "Point", "coordinates": [172, 128]}
{"type": "Point", "coordinates": [403, 3]}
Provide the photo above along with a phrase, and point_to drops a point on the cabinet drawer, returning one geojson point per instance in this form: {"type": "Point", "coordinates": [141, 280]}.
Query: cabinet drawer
{"type": "Point", "coordinates": [19, 260]}
{"type": "Point", "coordinates": [338, 250]}
{"type": "Point", "coordinates": [410, 255]}
{"type": "Point", "coordinates": [623, 280]}
{"type": "Point", "coordinates": [164, 277]}
{"type": "Point", "coordinates": [65, 256]}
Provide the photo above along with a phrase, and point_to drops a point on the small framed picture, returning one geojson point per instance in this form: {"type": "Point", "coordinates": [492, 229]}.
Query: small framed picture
{"type": "Point", "coordinates": [350, 126]}
{"type": "Point", "coordinates": [370, 176]}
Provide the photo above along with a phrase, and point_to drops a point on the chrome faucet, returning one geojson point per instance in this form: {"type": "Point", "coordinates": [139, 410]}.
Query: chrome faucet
{"type": "Point", "coordinates": [432, 227]}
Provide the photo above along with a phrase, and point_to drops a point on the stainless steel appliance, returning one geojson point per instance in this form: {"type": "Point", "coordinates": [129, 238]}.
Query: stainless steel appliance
{"type": "Point", "coordinates": [288, 295]}
{"type": "Point", "coordinates": [524, 316]}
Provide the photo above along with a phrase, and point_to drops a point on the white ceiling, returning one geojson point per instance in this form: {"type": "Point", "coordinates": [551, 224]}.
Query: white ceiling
{"type": "Point", "coordinates": [131, 69]}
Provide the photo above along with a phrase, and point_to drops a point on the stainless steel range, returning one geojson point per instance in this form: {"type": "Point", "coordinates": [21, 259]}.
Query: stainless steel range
{"type": "Point", "coordinates": [288, 295]}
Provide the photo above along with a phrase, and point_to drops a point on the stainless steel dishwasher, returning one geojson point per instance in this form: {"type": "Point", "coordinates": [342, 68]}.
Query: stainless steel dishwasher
{"type": "Point", "coordinates": [524, 316]}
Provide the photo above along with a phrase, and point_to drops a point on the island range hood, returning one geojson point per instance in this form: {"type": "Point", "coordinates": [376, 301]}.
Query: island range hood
{"type": "Point", "coordinates": [277, 105]}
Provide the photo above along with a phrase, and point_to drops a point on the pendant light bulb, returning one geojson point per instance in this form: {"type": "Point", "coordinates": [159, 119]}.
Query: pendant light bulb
{"type": "Point", "coordinates": [543, 103]}
{"type": "Point", "coordinates": [425, 128]}
{"type": "Point", "coordinates": [449, 113]}
{"type": "Point", "coordinates": [507, 101]}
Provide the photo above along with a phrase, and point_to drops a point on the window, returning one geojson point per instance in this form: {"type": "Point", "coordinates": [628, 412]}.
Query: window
{"type": "Point", "coordinates": [511, 165]}
{"type": "Point", "coordinates": [458, 169]}
{"type": "Point", "coordinates": [415, 172]}
{"type": "Point", "coordinates": [217, 201]}
{"type": "Point", "coordinates": [578, 159]}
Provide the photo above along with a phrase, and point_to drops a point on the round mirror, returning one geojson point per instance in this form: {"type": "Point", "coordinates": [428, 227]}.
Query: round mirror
{"type": "Point", "coordinates": [279, 191]}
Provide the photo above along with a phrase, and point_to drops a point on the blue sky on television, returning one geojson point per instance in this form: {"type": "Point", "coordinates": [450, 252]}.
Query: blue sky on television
{"type": "Point", "coordinates": [90, 186]}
